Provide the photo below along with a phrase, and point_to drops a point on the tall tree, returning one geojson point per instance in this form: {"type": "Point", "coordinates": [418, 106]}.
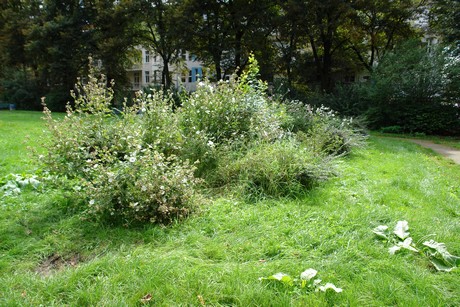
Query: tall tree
{"type": "Point", "coordinates": [208, 32]}
{"type": "Point", "coordinates": [323, 25]}
{"type": "Point", "coordinates": [160, 21]}
{"type": "Point", "coordinates": [376, 26]}
{"type": "Point", "coordinates": [114, 33]}
{"type": "Point", "coordinates": [223, 32]}
{"type": "Point", "coordinates": [446, 19]}
{"type": "Point", "coordinates": [59, 43]}
{"type": "Point", "coordinates": [17, 80]}
{"type": "Point", "coordinates": [289, 34]}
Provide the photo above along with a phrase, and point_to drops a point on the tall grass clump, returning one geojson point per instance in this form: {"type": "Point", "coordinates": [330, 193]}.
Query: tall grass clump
{"type": "Point", "coordinates": [323, 129]}
{"type": "Point", "coordinates": [147, 163]}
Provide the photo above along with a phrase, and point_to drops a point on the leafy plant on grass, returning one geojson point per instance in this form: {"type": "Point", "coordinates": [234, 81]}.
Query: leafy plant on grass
{"type": "Point", "coordinates": [12, 184]}
{"type": "Point", "coordinates": [305, 283]}
{"type": "Point", "coordinates": [436, 252]}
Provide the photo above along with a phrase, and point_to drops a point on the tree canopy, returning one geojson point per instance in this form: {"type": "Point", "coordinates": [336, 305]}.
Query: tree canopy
{"type": "Point", "coordinates": [45, 44]}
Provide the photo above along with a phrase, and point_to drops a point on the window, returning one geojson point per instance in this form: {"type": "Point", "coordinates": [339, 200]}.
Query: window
{"type": "Point", "coordinates": [147, 56]}
{"type": "Point", "coordinates": [155, 76]}
{"type": "Point", "coordinates": [147, 77]}
{"type": "Point", "coordinates": [195, 74]}
{"type": "Point", "coordinates": [137, 80]}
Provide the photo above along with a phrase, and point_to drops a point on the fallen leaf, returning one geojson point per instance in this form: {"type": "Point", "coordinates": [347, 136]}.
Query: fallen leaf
{"type": "Point", "coordinates": [146, 298]}
{"type": "Point", "coordinates": [201, 299]}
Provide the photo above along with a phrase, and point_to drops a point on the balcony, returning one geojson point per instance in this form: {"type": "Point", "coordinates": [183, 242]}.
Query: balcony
{"type": "Point", "coordinates": [135, 67]}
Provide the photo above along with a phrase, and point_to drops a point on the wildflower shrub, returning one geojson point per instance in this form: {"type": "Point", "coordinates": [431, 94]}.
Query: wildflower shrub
{"type": "Point", "coordinates": [147, 163]}
{"type": "Point", "coordinates": [227, 116]}
{"type": "Point", "coordinates": [147, 187]}
{"type": "Point", "coordinates": [124, 168]}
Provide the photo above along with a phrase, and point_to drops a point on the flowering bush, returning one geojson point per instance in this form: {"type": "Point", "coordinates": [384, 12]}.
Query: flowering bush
{"type": "Point", "coordinates": [134, 166]}
{"type": "Point", "coordinates": [123, 163]}
{"type": "Point", "coordinates": [160, 124]}
{"type": "Point", "coordinates": [147, 187]}
{"type": "Point", "coordinates": [228, 113]}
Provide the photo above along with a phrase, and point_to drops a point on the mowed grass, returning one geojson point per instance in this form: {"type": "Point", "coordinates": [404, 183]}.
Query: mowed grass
{"type": "Point", "coordinates": [449, 141]}
{"type": "Point", "coordinates": [49, 255]}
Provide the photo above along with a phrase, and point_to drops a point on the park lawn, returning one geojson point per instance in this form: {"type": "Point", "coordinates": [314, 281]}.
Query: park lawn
{"type": "Point", "coordinates": [49, 255]}
{"type": "Point", "coordinates": [450, 141]}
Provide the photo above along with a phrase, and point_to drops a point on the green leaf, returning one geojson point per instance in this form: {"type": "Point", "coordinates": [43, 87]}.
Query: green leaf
{"type": "Point", "coordinates": [330, 286]}
{"type": "Point", "coordinates": [406, 244]}
{"type": "Point", "coordinates": [281, 277]}
{"type": "Point", "coordinates": [381, 231]}
{"type": "Point", "coordinates": [308, 274]}
{"type": "Point", "coordinates": [440, 257]}
{"type": "Point", "coordinates": [394, 249]}
{"type": "Point", "coordinates": [401, 229]}
{"type": "Point", "coordinates": [441, 265]}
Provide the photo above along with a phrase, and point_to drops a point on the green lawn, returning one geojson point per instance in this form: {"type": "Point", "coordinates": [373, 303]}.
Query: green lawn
{"type": "Point", "coordinates": [450, 141]}
{"type": "Point", "coordinates": [49, 255]}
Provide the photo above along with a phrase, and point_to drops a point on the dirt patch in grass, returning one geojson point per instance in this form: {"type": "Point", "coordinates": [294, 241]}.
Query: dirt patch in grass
{"type": "Point", "coordinates": [55, 262]}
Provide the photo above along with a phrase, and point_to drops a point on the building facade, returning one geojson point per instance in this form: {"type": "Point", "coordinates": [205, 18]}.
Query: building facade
{"type": "Point", "coordinates": [147, 71]}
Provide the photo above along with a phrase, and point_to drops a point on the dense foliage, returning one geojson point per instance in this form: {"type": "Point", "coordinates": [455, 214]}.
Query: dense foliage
{"type": "Point", "coordinates": [415, 89]}
{"type": "Point", "coordinates": [309, 42]}
{"type": "Point", "coordinates": [147, 163]}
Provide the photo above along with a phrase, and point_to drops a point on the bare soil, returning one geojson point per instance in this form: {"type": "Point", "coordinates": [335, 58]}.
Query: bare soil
{"type": "Point", "coordinates": [55, 263]}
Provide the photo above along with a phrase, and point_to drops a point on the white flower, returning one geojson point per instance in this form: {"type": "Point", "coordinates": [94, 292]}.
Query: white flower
{"type": "Point", "coordinates": [132, 159]}
{"type": "Point", "coordinates": [91, 202]}
{"type": "Point", "coordinates": [308, 274]}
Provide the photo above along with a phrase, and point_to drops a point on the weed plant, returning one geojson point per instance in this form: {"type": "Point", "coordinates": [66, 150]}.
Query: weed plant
{"type": "Point", "coordinates": [144, 165]}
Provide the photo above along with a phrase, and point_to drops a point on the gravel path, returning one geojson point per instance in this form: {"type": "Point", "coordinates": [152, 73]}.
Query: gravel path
{"type": "Point", "coordinates": [449, 152]}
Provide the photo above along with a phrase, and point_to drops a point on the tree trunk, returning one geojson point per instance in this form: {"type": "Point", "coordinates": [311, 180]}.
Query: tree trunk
{"type": "Point", "coordinates": [238, 47]}
{"type": "Point", "coordinates": [165, 76]}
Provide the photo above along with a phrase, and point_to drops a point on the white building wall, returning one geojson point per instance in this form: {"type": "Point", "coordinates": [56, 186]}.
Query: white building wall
{"type": "Point", "coordinates": [184, 74]}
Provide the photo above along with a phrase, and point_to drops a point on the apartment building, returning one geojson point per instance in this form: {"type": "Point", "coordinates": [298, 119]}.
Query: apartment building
{"type": "Point", "coordinates": [147, 70]}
